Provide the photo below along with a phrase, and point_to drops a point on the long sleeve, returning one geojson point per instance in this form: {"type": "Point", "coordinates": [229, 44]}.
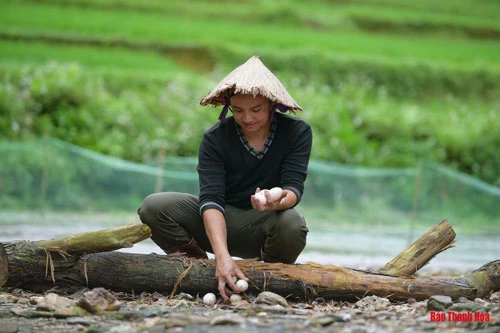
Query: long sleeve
{"type": "Point", "coordinates": [211, 173]}
{"type": "Point", "coordinates": [296, 161]}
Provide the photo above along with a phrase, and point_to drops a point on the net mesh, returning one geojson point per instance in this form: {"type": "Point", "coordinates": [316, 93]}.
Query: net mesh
{"type": "Point", "coordinates": [51, 175]}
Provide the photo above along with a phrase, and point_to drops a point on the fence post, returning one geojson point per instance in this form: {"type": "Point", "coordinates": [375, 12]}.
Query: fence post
{"type": "Point", "coordinates": [44, 184]}
{"type": "Point", "coordinates": [159, 175]}
{"type": "Point", "coordinates": [416, 194]}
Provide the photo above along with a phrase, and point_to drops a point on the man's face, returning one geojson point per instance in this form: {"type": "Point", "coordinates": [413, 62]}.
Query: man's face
{"type": "Point", "coordinates": [251, 113]}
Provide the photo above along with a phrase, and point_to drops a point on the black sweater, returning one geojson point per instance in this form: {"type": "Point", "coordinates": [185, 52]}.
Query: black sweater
{"type": "Point", "coordinates": [229, 173]}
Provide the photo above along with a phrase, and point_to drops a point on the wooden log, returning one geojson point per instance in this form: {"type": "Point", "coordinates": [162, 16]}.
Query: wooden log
{"type": "Point", "coordinates": [98, 241]}
{"type": "Point", "coordinates": [485, 279]}
{"type": "Point", "coordinates": [141, 272]}
{"type": "Point", "coordinates": [4, 267]}
{"type": "Point", "coordinates": [27, 266]}
{"type": "Point", "coordinates": [23, 260]}
{"type": "Point", "coordinates": [24, 264]}
{"type": "Point", "coordinates": [136, 273]}
{"type": "Point", "coordinates": [419, 253]}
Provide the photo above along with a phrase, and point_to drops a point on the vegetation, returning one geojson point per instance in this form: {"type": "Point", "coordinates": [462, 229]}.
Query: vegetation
{"type": "Point", "coordinates": [384, 83]}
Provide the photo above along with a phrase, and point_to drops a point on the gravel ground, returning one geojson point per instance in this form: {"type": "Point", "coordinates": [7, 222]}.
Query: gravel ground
{"type": "Point", "coordinates": [100, 310]}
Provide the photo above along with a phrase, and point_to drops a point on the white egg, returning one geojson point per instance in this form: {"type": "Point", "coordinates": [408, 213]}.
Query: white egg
{"type": "Point", "coordinates": [242, 285]}
{"type": "Point", "coordinates": [209, 299]}
{"type": "Point", "coordinates": [235, 298]}
{"type": "Point", "coordinates": [261, 197]}
{"type": "Point", "coordinates": [276, 193]}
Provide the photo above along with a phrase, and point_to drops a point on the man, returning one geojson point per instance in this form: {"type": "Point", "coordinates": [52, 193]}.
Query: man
{"type": "Point", "coordinates": [255, 149]}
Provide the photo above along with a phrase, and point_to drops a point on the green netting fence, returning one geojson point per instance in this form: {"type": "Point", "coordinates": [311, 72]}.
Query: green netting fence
{"type": "Point", "coordinates": [51, 175]}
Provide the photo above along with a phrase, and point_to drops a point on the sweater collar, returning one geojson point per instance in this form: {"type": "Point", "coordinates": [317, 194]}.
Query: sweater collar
{"type": "Point", "coordinates": [267, 144]}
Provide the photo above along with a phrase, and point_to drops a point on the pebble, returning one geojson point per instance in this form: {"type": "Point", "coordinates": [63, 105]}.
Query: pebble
{"type": "Point", "coordinates": [373, 303]}
{"type": "Point", "coordinates": [439, 303]}
{"type": "Point", "coordinates": [98, 300]}
{"type": "Point", "coordinates": [53, 302]}
{"type": "Point", "coordinates": [185, 296]}
{"type": "Point", "coordinates": [468, 307]}
{"type": "Point", "coordinates": [270, 298]}
{"type": "Point", "coordinates": [123, 328]}
{"type": "Point", "coordinates": [266, 312]}
{"type": "Point", "coordinates": [327, 320]}
{"type": "Point", "coordinates": [228, 319]}
{"type": "Point", "coordinates": [8, 326]}
{"type": "Point", "coordinates": [495, 297]}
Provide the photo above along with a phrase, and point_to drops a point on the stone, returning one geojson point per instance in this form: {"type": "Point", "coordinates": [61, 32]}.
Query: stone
{"type": "Point", "coordinates": [373, 303]}
{"type": "Point", "coordinates": [53, 303]}
{"type": "Point", "coordinates": [97, 300]}
{"type": "Point", "coordinates": [8, 326]}
{"type": "Point", "coordinates": [467, 307]}
{"type": "Point", "coordinates": [270, 298]}
{"type": "Point", "coordinates": [185, 296]}
{"type": "Point", "coordinates": [327, 320]}
{"type": "Point", "coordinates": [229, 319]}
{"type": "Point", "coordinates": [495, 297]}
{"type": "Point", "coordinates": [439, 303]}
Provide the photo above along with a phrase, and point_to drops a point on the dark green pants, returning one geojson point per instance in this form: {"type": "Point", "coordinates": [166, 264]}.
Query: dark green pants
{"type": "Point", "coordinates": [174, 218]}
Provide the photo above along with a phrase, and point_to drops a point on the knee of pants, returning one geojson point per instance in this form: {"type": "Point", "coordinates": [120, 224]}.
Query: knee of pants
{"type": "Point", "coordinates": [291, 227]}
{"type": "Point", "coordinates": [152, 205]}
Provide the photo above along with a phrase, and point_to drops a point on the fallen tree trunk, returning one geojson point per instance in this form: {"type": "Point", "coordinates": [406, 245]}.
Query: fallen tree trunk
{"type": "Point", "coordinates": [24, 264]}
{"type": "Point", "coordinates": [159, 273]}
{"type": "Point", "coordinates": [21, 261]}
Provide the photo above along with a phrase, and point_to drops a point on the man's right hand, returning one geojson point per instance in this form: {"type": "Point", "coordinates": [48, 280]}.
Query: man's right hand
{"type": "Point", "coordinates": [225, 269]}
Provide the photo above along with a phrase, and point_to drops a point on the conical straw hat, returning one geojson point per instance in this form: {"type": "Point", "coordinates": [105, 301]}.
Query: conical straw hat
{"type": "Point", "coordinates": [252, 78]}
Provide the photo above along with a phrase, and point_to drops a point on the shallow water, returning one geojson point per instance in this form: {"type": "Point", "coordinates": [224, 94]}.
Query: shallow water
{"type": "Point", "coordinates": [361, 247]}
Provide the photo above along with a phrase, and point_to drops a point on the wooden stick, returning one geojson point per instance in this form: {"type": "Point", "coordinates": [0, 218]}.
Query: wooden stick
{"type": "Point", "coordinates": [98, 241]}
{"type": "Point", "coordinates": [439, 238]}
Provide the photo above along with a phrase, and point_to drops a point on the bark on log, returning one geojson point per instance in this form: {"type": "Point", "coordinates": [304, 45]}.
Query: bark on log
{"type": "Point", "coordinates": [436, 240]}
{"type": "Point", "coordinates": [24, 264]}
{"type": "Point", "coordinates": [23, 259]}
{"type": "Point", "coordinates": [159, 273]}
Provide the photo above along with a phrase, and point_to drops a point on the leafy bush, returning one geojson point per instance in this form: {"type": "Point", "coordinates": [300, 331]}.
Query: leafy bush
{"type": "Point", "coordinates": [355, 121]}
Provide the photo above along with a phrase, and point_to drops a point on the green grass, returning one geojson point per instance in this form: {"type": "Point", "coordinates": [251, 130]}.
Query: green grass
{"type": "Point", "coordinates": [466, 12]}
{"type": "Point", "coordinates": [423, 17]}
{"type": "Point", "coordinates": [89, 22]}
{"type": "Point", "coordinates": [110, 58]}
{"type": "Point", "coordinates": [470, 8]}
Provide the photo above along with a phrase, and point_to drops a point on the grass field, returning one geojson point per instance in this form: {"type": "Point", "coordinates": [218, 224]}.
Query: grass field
{"type": "Point", "coordinates": [385, 83]}
{"type": "Point", "coordinates": [172, 26]}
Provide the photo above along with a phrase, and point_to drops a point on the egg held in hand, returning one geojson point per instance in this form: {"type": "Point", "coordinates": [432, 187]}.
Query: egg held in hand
{"type": "Point", "coordinates": [276, 193]}
{"type": "Point", "coordinates": [261, 197]}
